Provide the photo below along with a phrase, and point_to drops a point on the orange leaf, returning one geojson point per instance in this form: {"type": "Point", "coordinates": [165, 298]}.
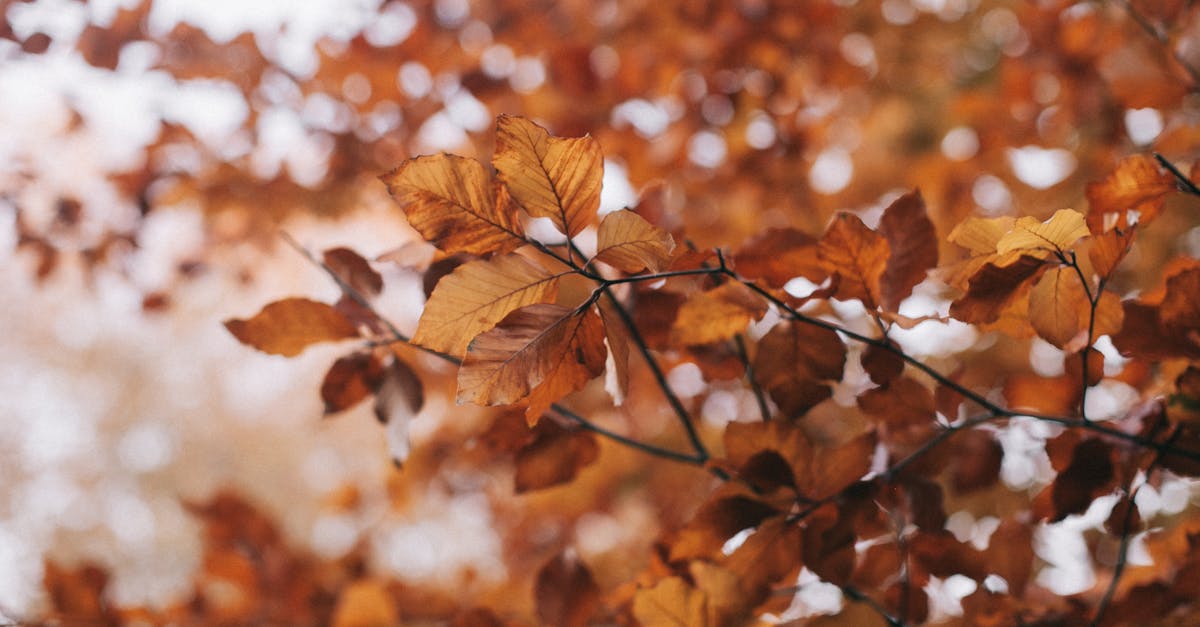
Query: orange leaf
{"type": "Point", "coordinates": [450, 201]}
{"type": "Point", "coordinates": [717, 314]}
{"type": "Point", "coordinates": [856, 254]}
{"type": "Point", "coordinates": [364, 603]}
{"type": "Point", "coordinates": [914, 247]}
{"type": "Point", "coordinates": [1054, 395]}
{"type": "Point", "coordinates": [628, 242]}
{"type": "Point", "coordinates": [1137, 184]}
{"type": "Point", "coordinates": [993, 287]}
{"type": "Point", "coordinates": [538, 345]}
{"type": "Point", "coordinates": [618, 339]}
{"type": "Point", "coordinates": [349, 380]}
{"type": "Point", "coordinates": [354, 270]}
{"type": "Point", "coordinates": [771, 553]}
{"type": "Point", "coordinates": [1169, 329]}
{"type": "Point", "coordinates": [671, 602]}
{"type": "Point", "coordinates": [725, 600]}
{"type": "Point", "coordinates": [718, 520]}
{"type": "Point", "coordinates": [476, 296]}
{"type": "Point", "coordinates": [1059, 309]}
{"type": "Point", "coordinates": [816, 471]}
{"type": "Point", "coordinates": [550, 177]}
{"type": "Point", "coordinates": [780, 255]}
{"type": "Point", "coordinates": [1109, 248]}
{"type": "Point", "coordinates": [881, 364]}
{"type": "Point", "coordinates": [555, 457]}
{"type": "Point", "coordinates": [565, 592]}
{"type": "Point", "coordinates": [903, 403]}
{"type": "Point", "coordinates": [793, 360]}
{"type": "Point", "coordinates": [289, 326]}
{"type": "Point", "coordinates": [981, 235]}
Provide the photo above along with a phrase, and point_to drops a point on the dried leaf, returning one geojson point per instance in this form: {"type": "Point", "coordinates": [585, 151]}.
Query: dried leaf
{"type": "Point", "coordinates": [538, 345]}
{"type": "Point", "coordinates": [289, 326]}
{"type": "Point", "coordinates": [981, 235]}
{"type": "Point", "coordinates": [1059, 233]}
{"type": "Point", "coordinates": [478, 295]}
{"type": "Point", "coordinates": [881, 364]}
{"type": "Point", "coordinates": [914, 247]}
{"type": "Point", "coordinates": [1047, 395]}
{"type": "Point", "coordinates": [1109, 248]}
{"type": "Point", "coordinates": [671, 602]}
{"type": "Point", "coordinates": [399, 398]}
{"type": "Point", "coordinates": [858, 256]}
{"type": "Point", "coordinates": [993, 287]}
{"type": "Point", "coordinates": [1059, 308]}
{"type": "Point", "coordinates": [718, 314]}
{"type": "Point", "coordinates": [780, 255]}
{"type": "Point", "coordinates": [1090, 474]}
{"type": "Point", "coordinates": [565, 593]}
{"type": "Point", "coordinates": [793, 362]}
{"type": "Point", "coordinates": [349, 380]}
{"type": "Point", "coordinates": [617, 337]}
{"type": "Point", "coordinates": [628, 242]}
{"type": "Point", "coordinates": [768, 556]}
{"type": "Point", "coordinates": [451, 202]}
{"type": "Point", "coordinates": [555, 457]}
{"type": "Point", "coordinates": [550, 177]}
{"type": "Point", "coordinates": [354, 270]}
{"type": "Point", "coordinates": [1137, 184]}
{"type": "Point", "coordinates": [718, 520]}
{"type": "Point", "coordinates": [727, 603]}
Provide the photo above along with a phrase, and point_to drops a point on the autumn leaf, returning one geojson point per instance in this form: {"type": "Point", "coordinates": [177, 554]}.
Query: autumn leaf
{"type": "Point", "coordinates": [717, 314]}
{"type": "Point", "coordinates": [399, 398]}
{"type": "Point", "coordinates": [1109, 248]}
{"type": "Point", "coordinates": [718, 520]}
{"type": "Point", "coordinates": [1089, 474]}
{"type": "Point", "coordinates": [550, 177]}
{"type": "Point", "coordinates": [817, 471]}
{"type": "Point", "coordinates": [616, 335]}
{"type": "Point", "coordinates": [1165, 329]}
{"type": "Point", "coordinates": [671, 603]}
{"type": "Point", "coordinates": [726, 601]}
{"type": "Point", "coordinates": [767, 556]}
{"type": "Point", "coordinates": [540, 345]}
{"type": "Point", "coordinates": [981, 235]}
{"type": "Point", "coordinates": [289, 326]}
{"type": "Point", "coordinates": [628, 242]}
{"type": "Point", "coordinates": [780, 255]}
{"type": "Point", "coordinates": [1059, 233]}
{"type": "Point", "coordinates": [365, 603]}
{"type": "Point", "coordinates": [554, 456]}
{"type": "Point", "coordinates": [349, 380]}
{"type": "Point", "coordinates": [793, 363]}
{"type": "Point", "coordinates": [354, 270]}
{"type": "Point", "coordinates": [858, 255]}
{"type": "Point", "coordinates": [565, 593]}
{"type": "Point", "coordinates": [1137, 184]}
{"type": "Point", "coordinates": [478, 295]}
{"type": "Point", "coordinates": [993, 287]}
{"type": "Point", "coordinates": [452, 203]}
{"type": "Point", "coordinates": [1059, 308]}
{"type": "Point", "coordinates": [913, 243]}
{"type": "Point", "coordinates": [882, 364]}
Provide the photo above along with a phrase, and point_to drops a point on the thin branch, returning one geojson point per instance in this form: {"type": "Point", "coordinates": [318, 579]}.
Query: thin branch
{"type": "Point", "coordinates": [1184, 183]}
{"type": "Point", "coordinates": [1164, 40]}
{"type": "Point", "coordinates": [854, 594]}
{"type": "Point", "coordinates": [627, 441]}
{"type": "Point", "coordinates": [739, 343]}
{"type": "Point", "coordinates": [1122, 558]}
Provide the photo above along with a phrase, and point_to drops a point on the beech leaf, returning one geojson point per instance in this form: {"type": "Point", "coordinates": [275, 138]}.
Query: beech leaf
{"type": "Point", "coordinates": [780, 255]}
{"type": "Point", "coordinates": [349, 380]}
{"type": "Point", "coordinates": [565, 592]}
{"type": "Point", "coordinates": [399, 398]}
{"type": "Point", "coordinates": [628, 242]}
{"type": "Point", "coordinates": [717, 314]}
{"type": "Point", "coordinates": [858, 256]}
{"type": "Point", "coordinates": [289, 326]}
{"type": "Point", "coordinates": [1059, 233]}
{"type": "Point", "coordinates": [793, 363]}
{"type": "Point", "coordinates": [452, 203]}
{"type": "Point", "coordinates": [914, 247]}
{"type": "Point", "coordinates": [671, 602]}
{"type": "Point", "coordinates": [550, 177]}
{"type": "Point", "coordinates": [1137, 184]}
{"type": "Point", "coordinates": [354, 270]}
{"type": "Point", "coordinates": [1059, 308]}
{"type": "Point", "coordinates": [553, 458]}
{"type": "Point", "coordinates": [476, 296]}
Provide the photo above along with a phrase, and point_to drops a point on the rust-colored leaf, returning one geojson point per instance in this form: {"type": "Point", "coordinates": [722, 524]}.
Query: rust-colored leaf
{"type": "Point", "coordinates": [397, 401]}
{"type": "Point", "coordinates": [1137, 184]}
{"type": "Point", "coordinates": [914, 247]}
{"type": "Point", "coordinates": [565, 593]}
{"type": "Point", "coordinates": [616, 335]}
{"type": "Point", "coordinates": [1090, 474]}
{"type": "Point", "coordinates": [780, 255]}
{"type": "Point", "coordinates": [718, 314]}
{"type": "Point", "coordinates": [881, 364]}
{"type": "Point", "coordinates": [829, 545]}
{"type": "Point", "coordinates": [365, 603]}
{"type": "Point", "coordinates": [1048, 395]}
{"type": "Point", "coordinates": [671, 603]}
{"type": "Point", "coordinates": [793, 362]}
{"type": "Point", "coordinates": [816, 471]}
{"type": "Point", "coordinates": [349, 380]}
{"type": "Point", "coordinates": [993, 287]}
{"type": "Point", "coordinates": [628, 242]}
{"type": "Point", "coordinates": [477, 296]}
{"type": "Point", "coordinates": [1109, 249]}
{"type": "Point", "coordinates": [555, 457]}
{"type": "Point", "coordinates": [1059, 308]}
{"type": "Point", "coordinates": [542, 344]}
{"type": "Point", "coordinates": [767, 557]}
{"type": "Point", "coordinates": [289, 326]}
{"type": "Point", "coordinates": [858, 256]}
{"type": "Point", "coordinates": [725, 600]}
{"type": "Point", "coordinates": [903, 403]}
{"type": "Point", "coordinates": [354, 270]}
{"type": "Point", "coordinates": [550, 177]}
{"type": "Point", "coordinates": [1124, 518]}
{"type": "Point", "coordinates": [452, 203]}
{"type": "Point", "coordinates": [715, 523]}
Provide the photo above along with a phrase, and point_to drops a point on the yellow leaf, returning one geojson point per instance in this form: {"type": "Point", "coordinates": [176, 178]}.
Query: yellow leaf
{"type": "Point", "coordinates": [671, 603]}
{"type": "Point", "coordinates": [980, 235]}
{"type": "Point", "coordinates": [856, 254]}
{"type": "Point", "coordinates": [717, 314]}
{"type": "Point", "coordinates": [451, 202]}
{"type": "Point", "coordinates": [289, 326]}
{"type": "Point", "coordinates": [628, 242]}
{"type": "Point", "coordinates": [1059, 307]}
{"type": "Point", "coordinates": [540, 345]}
{"type": "Point", "coordinates": [476, 296]}
{"type": "Point", "coordinates": [1059, 233]}
{"type": "Point", "coordinates": [551, 177]}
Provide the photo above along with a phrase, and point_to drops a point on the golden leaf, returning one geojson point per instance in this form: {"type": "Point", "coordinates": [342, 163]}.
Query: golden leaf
{"type": "Point", "coordinates": [628, 242]}
{"type": "Point", "coordinates": [1059, 309]}
{"type": "Point", "coordinates": [670, 603]}
{"type": "Point", "coordinates": [856, 254]}
{"type": "Point", "coordinates": [1059, 233]}
{"type": "Point", "coordinates": [717, 314]}
{"type": "Point", "coordinates": [289, 326]}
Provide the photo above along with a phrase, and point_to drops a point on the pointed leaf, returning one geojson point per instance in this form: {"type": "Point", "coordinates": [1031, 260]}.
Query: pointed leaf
{"type": "Point", "coordinates": [349, 380]}
{"type": "Point", "coordinates": [1059, 233]}
{"type": "Point", "coordinates": [565, 593]}
{"type": "Point", "coordinates": [555, 457]}
{"type": "Point", "coordinates": [551, 177]}
{"type": "Point", "coordinates": [1059, 309]}
{"type": "Point", "coordinates": [628, 242]}
{"type": "Point", "coordinates": [289, 326]}
{"type": "Point", "coordinates": [914, 247]}
{"type": "Point", "coordinates": [354, 270]}
{"type": "Point", "coordinates": [476, 296]}
{"type": "Point", "coordinates": [540, 344]}
{"type": "Point", "coordinates": [1108, 249]}
{"type": "Point", "coordinates": [993, 287]}
{"type": "Point", "coordinates": [1137, 184]}
{"type": "Point", "coordinates": [981, 235]}
{"type": "Point", "coordinates": [451, 202]}
{"type": "Point", "coordinates": [771, 553]}
{"type": "Point", "coordinates": [856, 254]}
{"type": "Point", "coordinates": [780, 255]}
{"type": "Point", "coordinates": [399, 398]}
{"type": "Point", "coordinates": [717, 314]}
{"type": "Point", "coordinates": [793, 362]}
{"type": "Point", "coordinates": [671, 603]}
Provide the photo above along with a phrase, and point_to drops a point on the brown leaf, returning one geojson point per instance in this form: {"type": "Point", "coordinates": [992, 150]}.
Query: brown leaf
{"type": "Point", "coordinates": [451, 202]}
{"type": "Point", "coordinates": [1090, 474]}
{"type": "Point", "coordinates": [354, 270]}
{"type": "Point", "coordinates": [829, 545]}
{"type": "Point", "coordinates": [914, 247]}
{"type": "Point", "coordinates": [1168, 330]}
{"type": "Point", "coordinates": [289, 326]}
{"type": "Point", "coordinates": [1124, 518]}
{"type": "Point", "coordinates": [717, 314]}
{"type": "Point", "coordinates": [1109, 248]}
{"type": "Point", "coordinates": [1073, 364]}
{"type": "Point", "coordinates": [538, 345]}
{"type": "Point", "coordinates": [768, 556]}
{"type": "Point", "coordinates": [550, 177]}
{"type": "Point", "coordinates": [628, 242]}
{"type": "Point", "coordinates": [1137, 184]}
{"type": "Point", "coordinates": [477, 296]}
{"type": "Point", "coordinates": [1048, 395]}
{"type": "Point", "coordinates": [671, 603]}
{"type": "Point", "coordinates": [793, 360]}
{"type": "Point", "coordinates": [725, 600]}
{"type": "Point", "coordinates": [780, 255]}
{"type": "Point", "coordinates": [903, 403]}
{"type": "Point", "coordinates": [858, 256]}
{"type": "Point", "coordinates": [881, 364]}
{"type": "Point", "coordinates": [1059, 308]}
{"type": "Point", "coordinates": [618, 339]}
{"type": "Point", "coordinates": [565, 593]}
{"type": "Point", "coordinates": [349, 380]}
{"type": "Point", "coordinates": [555, 457]}
{"type": "Point", "coordinates": [718, 520]}
{"type": "Point", "coordinates": [976, 461]}
{"type": "Point", "coordinates": [397, 401]}
{"type": "Point", "coordinates": [816, 471]}
{"type": "Point", "coordinates": [993, 287]}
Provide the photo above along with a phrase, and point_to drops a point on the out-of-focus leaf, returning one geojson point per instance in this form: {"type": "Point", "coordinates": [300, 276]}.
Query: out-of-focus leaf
{"type": "Point", "coordinates": [1109, 248]}
{"type": "Point", "coordinates": [1090, 474]}
{"type": "Point", "coordinates": [913, 243]}
{"type": "Point", "coordinates": [1137, 184]}
{"type": "Point", "coordinates": [780, 255]}
{"type": "Point", "coordinates": [365, 603]}
{"type": "Point", "coordinates": [477, 296]}
{"type": "Point", "coordinates": [628, 242]}
{"type": "Point", "coordinates": [354, 270]}
{"type": "Point", "coordinates": [289, 326]}
{"type": "Point", "coordinates": [451, 202]}
{"type": "Point", "coordinates": [717, 314]}
{"type": "Point", "coordinates": [550, 177]}
{"type": "Point", "coordinates": [618, 339]}
{"type": "Point", "coordinates": [349, 380]}
{"type": "Point", "coordinates": [858, 256]}
{"type": "Point", "coordinates": [718, 520]}
{"type": "Point", "coordinates": [881, 364]}
{"type": "Point", "coordinates": [565, 593]}
{"type": "Point", "coordinates": [399, 398]}
{"type": "Point", "coordinates": [793, 363]}
{"type": "Point", "coordinates": [769, 555]}
{"type": "Point", "coordinates": [671, 603]}
{"type": "Point", "coordinates": [553, 458]}
{"type": "Point", "coordinates": [1048, 395]}
{"type": "Point", "coordinates": [993, 287]}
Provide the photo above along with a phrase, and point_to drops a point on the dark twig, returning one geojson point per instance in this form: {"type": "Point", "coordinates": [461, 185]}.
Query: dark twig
{"type": "Point", "coordinates": [1161, 36]}
{"type": "Point", "coordinates": [739, 342]}
{"type": "Point", "coordinates": [1184, 183]}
